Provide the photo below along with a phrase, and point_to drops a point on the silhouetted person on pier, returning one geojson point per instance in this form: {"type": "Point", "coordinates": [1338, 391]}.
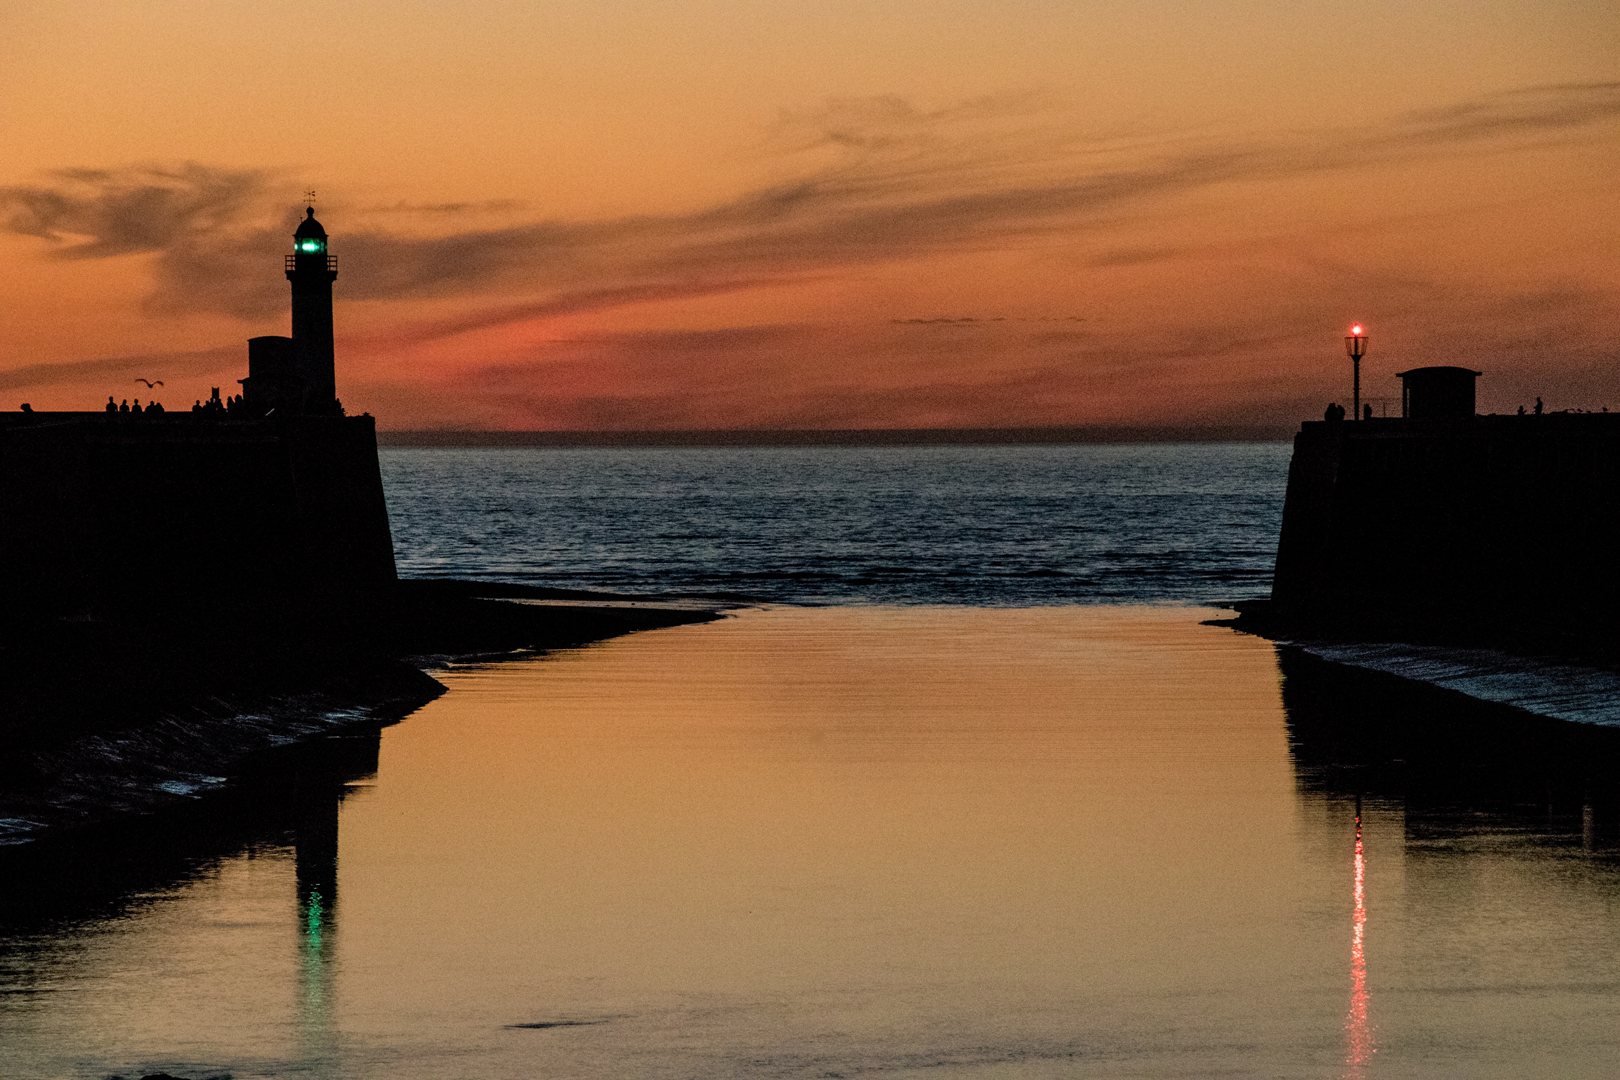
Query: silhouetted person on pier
{"type": "Point", "coordinates": [112, 406]}
{"type": "Point", "coordinates": [1366, 412]}
{"type": "Point", "coordinates": [1538, 406]}
{"type": "Point", "coordinates": [198, 406]}
{"type": "Point", "coordinates": [1333, 412]}
{"type": "Point", "coordinates": [154, 407]}
{"type": "Point", "coordinates": [1521, 410]}
{"type": "Point", "coordinates": [125, 406]}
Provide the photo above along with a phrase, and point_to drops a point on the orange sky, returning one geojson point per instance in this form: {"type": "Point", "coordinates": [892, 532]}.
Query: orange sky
{"type": "Point", "coordinates": [649, 214]}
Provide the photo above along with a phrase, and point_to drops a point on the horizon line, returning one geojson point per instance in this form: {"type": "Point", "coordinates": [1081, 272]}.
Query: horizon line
{"type": "Point", "coordinates": [1094, 434]}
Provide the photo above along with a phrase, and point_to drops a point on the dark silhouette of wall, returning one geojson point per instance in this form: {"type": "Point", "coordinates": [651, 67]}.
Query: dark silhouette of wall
{"type": "Point", "coordinates": [1485, 526]}
{"type": "Point", "coordinates": [104, 511]}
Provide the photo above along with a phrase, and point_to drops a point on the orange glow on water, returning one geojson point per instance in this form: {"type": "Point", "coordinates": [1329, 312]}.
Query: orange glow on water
{"type": "Point", "coordinates": [1357, 1030]}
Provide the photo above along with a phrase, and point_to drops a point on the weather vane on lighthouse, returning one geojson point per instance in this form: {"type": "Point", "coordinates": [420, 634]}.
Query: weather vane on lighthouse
{"type": "Point", "coordinates": [309, 196]}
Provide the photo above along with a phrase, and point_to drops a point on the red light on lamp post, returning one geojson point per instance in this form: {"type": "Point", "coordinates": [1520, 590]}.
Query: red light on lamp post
{"type": "Point", "coordinates": [1355, 344]}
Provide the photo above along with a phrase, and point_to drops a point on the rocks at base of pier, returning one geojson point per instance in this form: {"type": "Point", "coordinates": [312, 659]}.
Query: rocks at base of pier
{"type": "Point", "coordinates": [116, 715]}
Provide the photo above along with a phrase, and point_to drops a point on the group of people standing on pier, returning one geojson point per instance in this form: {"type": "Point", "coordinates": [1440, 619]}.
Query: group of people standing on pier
{"type": "Point", "coordinates": [126, 407]}
{"type": "Point", "coordinates": [214, 405]}
{"type": "Point", "coordinates": [230, 405]}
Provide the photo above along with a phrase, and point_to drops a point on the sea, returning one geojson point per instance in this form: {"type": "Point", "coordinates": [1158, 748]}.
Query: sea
{"type": "Point", "coordinates": [968, 783]}
{"type": "Point", "coordinates": [991, 526]}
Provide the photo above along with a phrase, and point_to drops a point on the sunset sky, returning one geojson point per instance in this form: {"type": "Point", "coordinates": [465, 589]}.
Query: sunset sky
{"type": "Point", "coordinates": [635, 214]}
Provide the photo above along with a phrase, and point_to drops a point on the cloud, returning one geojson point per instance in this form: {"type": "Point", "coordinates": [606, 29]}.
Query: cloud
{"type": "Point", "coordinates": [568, 303]}
{"type": "Point", "coordinates": [121, 370]}
{"type": "Point", "coordinates": [885, 122]}
{"type": "Point", "coordinates": [210, 229]}
{"type": "Point", "coordinates": [802, 376]}
{"type": "Point", "coordinates": [974, 320]}
{"type": "Point", "coordinates": [1136, 256]}
{"type": "Point", "coordinates": [132, 210]}
{"type": "Point", "coordinates": [488, 206]}
{"type": "Point", "coordinates": [1534, 110]}
{"type": "Point", "coordinates": [1264, 365]}
{"type": "Point", "coordinates": [868, 181]}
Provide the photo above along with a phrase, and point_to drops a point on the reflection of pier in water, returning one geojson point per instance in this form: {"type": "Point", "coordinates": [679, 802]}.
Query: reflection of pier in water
{"type": "Point", "coordinates": [290, 798]}
{"type": "Point", "coordinates": [1455, 766]}
{"type": "Point", "coordinates": [1467, 811]}
{"type": "Point", "coordinates": [318, 793]}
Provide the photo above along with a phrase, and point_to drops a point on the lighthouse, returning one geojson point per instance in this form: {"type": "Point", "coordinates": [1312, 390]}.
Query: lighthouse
{"type": "Point", "coordinates": [312, 269]}
{"type": "Point", "coordinates": [293, 376]}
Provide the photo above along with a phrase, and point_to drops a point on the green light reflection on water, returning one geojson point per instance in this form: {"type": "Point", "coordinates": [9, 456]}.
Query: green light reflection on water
{"type": "Point", "coordinates": [312, 921]}
{"type": "Point", "coordinates": [315, 965]}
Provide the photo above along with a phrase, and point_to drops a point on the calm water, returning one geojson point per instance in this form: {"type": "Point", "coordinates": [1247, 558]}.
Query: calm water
{"type": "Point", "coordinates": [975, 819]}
{"type": "Point", "coordinates": [903, 842]}
{"type": "Point", "coordinates": [892, 525]}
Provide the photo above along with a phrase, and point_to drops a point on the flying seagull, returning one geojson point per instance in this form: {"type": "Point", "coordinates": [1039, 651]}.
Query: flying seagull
{"type": "Point", "coordinates": [149, 383]}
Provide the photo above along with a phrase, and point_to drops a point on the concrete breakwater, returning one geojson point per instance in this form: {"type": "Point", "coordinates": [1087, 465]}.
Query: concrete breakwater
{"type": "Point", "coordinates": [1483, 531]}
{"type": "Point", "coordinates": [1473, 554]}
{"type": "Point", "coordinates": [104, 512]}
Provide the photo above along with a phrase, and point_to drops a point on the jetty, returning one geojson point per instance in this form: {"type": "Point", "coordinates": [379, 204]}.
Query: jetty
{"type": "Point", "coordinates": [1445, 526]}
{"type": "Point", "coordinates": [191, 593]}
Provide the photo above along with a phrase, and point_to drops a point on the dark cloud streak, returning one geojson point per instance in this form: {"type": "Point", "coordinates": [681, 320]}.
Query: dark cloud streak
{"type": "Point", "coordinates": [167, 366]}
{"type": "Point", "coordinates": [903, 183]}
{"type": "Point", "coordinates": [132, 210]}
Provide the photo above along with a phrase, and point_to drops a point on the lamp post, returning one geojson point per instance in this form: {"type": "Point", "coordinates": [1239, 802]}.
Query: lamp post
{"type": "Point", "coordinates": [1355, 344]}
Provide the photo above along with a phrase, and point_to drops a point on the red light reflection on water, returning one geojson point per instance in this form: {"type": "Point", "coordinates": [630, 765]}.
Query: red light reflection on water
{"type": "Point", "coordinates": [1358, 1032]}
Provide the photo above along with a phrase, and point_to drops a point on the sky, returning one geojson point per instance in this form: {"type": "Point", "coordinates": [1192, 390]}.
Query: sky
{"type": "Point", "coordinates": [651, 214]}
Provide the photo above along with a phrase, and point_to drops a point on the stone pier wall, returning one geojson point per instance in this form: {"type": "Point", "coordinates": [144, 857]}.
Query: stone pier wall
{"type": "Point", "coordinates": [1501, 524]}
